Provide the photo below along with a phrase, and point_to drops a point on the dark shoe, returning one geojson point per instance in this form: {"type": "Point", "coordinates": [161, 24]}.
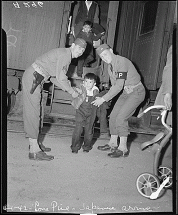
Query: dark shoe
{"type": "Point", "coordinates": [75, 152]}
{"type": "Point", "coordinates": [40, 156]}
{"type": "Point", "coordinates": [85, 150]}
{"type": "Point", "coordinates": [118, 153]}
{"type": "Point", "coordinates": [104, 148]}
{"type": "Point", "coordinates": [43, 148]}
{"type": "Point", "coordinates": [114, 148]}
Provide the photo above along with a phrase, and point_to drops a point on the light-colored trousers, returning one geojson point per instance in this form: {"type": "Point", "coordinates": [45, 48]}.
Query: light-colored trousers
{"type": "Point", "coordinates": [32, 105]}
{"type": "Point", "coordinates": [124, 108]}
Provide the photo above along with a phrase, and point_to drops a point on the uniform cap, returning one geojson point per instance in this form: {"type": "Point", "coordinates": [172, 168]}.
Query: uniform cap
{"type": "Point", "coordinates": [81, 42]}
{"type": "Point", "coordinates": [101, 48]}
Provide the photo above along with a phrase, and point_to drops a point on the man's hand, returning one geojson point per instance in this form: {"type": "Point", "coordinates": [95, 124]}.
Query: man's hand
{"type": "Point", "coordinates": [78, 90]}
{"type": "Point", "coordinates": [75, 94]}
{"type": "Point", "coordinates": [168, 101]}
{"type": "Point", "coordinates": [98, 101]}
{"type": "Point", "coordinates": [96, 44]}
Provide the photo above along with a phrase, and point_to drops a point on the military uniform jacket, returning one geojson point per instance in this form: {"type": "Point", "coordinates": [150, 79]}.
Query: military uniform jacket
{"type": "Point", "coordinates": [55, 64]}
{"type": "Point", "coordinates": [122, 73]}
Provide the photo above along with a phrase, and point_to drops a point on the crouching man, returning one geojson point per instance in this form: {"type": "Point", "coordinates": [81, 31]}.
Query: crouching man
{"type": "Point", "coordinates": [125, 79]}
{"type": "Point", "coordinates": [54, 65]}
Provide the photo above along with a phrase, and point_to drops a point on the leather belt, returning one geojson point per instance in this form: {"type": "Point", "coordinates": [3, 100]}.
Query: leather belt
{"type": "Point", "coordinates": [129, 88]}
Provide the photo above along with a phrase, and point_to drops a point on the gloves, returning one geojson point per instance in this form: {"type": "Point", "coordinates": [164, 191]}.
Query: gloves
{"type": "Point", "coordinates": [75, 94]}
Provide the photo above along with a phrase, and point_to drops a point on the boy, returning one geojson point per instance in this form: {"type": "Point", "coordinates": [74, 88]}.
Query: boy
{"type": "Point", "coordinates": [89, 36]}
{"type": "Point", "coordinates": [84, 114]}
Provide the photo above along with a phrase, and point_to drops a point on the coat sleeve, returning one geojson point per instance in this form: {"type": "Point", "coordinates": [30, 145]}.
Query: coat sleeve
{"type": "Point", "coordinates": [96, 16]}
{"type": "Point", "coordinates": [166, 86]}
{"type": "Point", "coordinates": [167, 74]}
{"type": "Point", "coordinates": [80, 35]}
{"type": "Point", "coordinates": [61, 71]}
{"type": "Point", "coordinates": [114, 90]}
{"type": "Point", "coordinates": [117, 84]}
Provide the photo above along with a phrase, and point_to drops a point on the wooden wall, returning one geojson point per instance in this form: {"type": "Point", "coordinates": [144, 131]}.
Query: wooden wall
{"type": "Point", "coordinates": [31, 30]}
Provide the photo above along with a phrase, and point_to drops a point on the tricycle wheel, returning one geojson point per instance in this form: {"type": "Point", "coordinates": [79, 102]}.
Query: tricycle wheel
{"type": "Point", "coordinates": [147, 184]}
{"type": "Point", "coordinates": [163, 173]}
{"type": "Point", "coordinates": [11, 98]}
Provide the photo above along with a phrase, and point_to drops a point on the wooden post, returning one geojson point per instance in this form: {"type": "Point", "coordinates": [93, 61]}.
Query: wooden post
{"type": "Point", "coordinates": [66, 12]}
{"type": "Point", "coordinates": [111, 25]}
{"type": "Point", "coordinates": [111, 21]}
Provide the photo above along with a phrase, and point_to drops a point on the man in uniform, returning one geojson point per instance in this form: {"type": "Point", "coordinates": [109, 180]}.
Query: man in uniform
{"type": "Point", "coordinates": [125, 79]}
{"type": "Point", "coordinates": [54, 65]}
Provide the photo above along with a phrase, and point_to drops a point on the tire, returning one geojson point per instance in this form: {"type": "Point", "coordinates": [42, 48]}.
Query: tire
{"type": "Point", "coordinates": [163, 173]}
{"type": "Point", "coordinates": [147, 183]}
{"type": "Point", "coordinates": [11, 98]}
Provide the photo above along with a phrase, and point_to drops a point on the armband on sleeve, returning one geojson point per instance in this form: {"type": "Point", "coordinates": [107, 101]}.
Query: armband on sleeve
{"type": "Point", "coordinates": [121, 75]}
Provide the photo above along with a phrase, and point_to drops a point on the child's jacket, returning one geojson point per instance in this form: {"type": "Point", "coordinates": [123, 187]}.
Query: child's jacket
{"type": "Point", "coordinates": [79, 100]}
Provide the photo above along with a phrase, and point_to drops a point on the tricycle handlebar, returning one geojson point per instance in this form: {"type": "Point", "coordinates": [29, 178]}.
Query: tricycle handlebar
{"type": "Point", "coordinates": [151, 107]}
{"type": "Point", "coordinates": [164, 113]}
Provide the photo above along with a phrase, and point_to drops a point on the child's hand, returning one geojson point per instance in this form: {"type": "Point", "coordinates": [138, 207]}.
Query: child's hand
{"type": "Point", "coordinates": [96, 44]}
{"type": "Point", "coordinates": [75, 94]}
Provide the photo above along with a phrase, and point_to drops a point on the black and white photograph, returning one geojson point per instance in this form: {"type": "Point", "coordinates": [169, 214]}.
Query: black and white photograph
{"type": "Point", "coordinates": [88, 126]}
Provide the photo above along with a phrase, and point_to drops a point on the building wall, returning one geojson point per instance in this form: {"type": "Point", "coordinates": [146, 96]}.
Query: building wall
{"type": "Point", "coordinates": [31, 31]}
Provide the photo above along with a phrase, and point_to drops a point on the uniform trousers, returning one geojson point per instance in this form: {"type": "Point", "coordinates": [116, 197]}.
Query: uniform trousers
{"type": "Point", "coordinates": [33, 111]}
{"type": "Point", "coordinates": [124, 108]}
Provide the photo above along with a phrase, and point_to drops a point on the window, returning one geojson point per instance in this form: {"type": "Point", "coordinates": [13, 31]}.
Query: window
{"type": "Point", "coordinates": [148, 17]}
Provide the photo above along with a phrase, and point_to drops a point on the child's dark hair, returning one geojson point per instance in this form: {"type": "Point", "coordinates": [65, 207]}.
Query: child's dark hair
{"type": "Point", "coordinates": [87, 22]}
{"type": "Point", "coordinates": [91, 76]}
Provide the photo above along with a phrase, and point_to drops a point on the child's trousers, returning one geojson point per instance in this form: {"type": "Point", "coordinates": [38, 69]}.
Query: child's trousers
{"type": "Point", "coordinates": [82, 123]}
{"type": "Point", "coordinates": [85, 118]}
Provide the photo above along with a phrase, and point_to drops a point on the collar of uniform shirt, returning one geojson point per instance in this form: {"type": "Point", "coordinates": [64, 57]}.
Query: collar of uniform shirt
{"type": "Point", "coordinates": [114, 62]}
{"type": "Point", "coordinates": [88, 4]}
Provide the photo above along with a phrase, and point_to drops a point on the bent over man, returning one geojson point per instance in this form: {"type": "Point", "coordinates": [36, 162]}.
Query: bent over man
{"type": "Point", "coordinates": [125, 79]}
{"type": "Point", "coordinates": [54, 65]}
